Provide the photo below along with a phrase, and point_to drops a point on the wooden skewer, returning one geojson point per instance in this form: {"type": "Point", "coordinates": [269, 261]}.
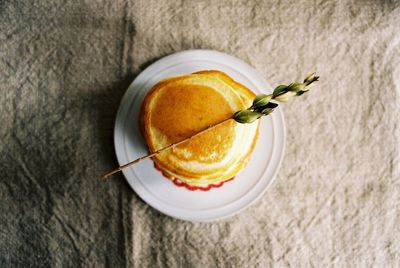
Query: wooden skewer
{"type": "Point", "coordinates": [120, 168]}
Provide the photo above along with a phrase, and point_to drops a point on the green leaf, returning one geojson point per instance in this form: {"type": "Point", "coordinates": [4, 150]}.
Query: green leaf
{"type": "Point", "coordinates": [281, 89]}
{"type": "Point", "coordinates": [310, 79]}
{"type": "Point", "coordinates": [296, 87]}
{"type": "Point", "coordinates": [267, 111]}
{"type": "Point", "coordinates": [268, 105]}
{"type": "Point", "coordinates": [246, 116]}
{"type": "Point", "coordinates": [261, 99]}
{"type": "Point", "coordinates": [300, 93]}
{"type": "Point", "coordinates": [285, 97]}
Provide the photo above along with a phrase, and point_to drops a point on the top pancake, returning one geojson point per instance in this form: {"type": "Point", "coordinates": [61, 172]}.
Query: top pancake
{"type": "Point", "coordinates": [179, 107]}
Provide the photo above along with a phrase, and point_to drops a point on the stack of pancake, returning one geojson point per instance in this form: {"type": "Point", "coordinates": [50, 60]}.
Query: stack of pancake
{"type": "Point", "coordinates": [179, 107]}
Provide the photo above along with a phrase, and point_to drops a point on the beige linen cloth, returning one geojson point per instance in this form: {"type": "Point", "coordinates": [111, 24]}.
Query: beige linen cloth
{"type": "Point", "coordinates": [64, 67]}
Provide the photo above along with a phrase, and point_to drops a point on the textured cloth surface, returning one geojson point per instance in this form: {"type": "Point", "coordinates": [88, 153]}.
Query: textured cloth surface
{"type": "Point", "coordinates": [64, 66]}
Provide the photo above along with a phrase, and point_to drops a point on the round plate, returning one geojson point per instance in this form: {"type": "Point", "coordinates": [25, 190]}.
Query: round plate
{"type": "Point", "coordinates": [161, 193]}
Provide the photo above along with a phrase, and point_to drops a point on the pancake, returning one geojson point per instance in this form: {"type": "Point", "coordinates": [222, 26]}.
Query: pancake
{"type": "Point", "coordinates": [178, 107]}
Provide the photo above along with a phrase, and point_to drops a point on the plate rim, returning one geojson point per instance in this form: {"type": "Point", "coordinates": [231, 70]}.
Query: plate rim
{"type": "Point", "coordinates": [127, 99]}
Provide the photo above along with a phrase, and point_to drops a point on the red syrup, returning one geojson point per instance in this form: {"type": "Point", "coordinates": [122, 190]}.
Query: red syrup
{"type": "Point", "coordinates": [187, 186]}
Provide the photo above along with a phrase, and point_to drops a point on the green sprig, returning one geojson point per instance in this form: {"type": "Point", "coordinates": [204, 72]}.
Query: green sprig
{"type": "Point", "coordinates": [263, 106]}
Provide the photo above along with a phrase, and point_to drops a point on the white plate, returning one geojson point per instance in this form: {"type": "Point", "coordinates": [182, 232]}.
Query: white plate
{"type": "Point", "coordinates": [162, 194]}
